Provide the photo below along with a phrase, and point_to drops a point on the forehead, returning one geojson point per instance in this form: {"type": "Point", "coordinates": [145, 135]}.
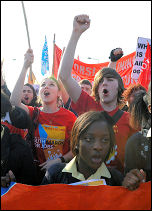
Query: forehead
{"type": "Point", "coordinates": [27, 88]}
{"type": "Point", "coordinates": [98, 127]}
{"type": "Point", "coordinates": [85, 85]}
{"type": "Point", "coordinates": [109, 76]}
{"type": "Point", "coordinates": [48, 80]}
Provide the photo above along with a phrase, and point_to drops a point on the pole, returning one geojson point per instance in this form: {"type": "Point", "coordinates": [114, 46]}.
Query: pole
{"type": "Point", "coordinates": [27, 34]}
{"type": "Point", "coordinates": [53, 55]}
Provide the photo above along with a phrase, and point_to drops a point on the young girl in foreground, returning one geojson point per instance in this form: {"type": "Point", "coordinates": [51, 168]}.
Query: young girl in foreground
{"type": "Point", "coordinates": [92, 140]}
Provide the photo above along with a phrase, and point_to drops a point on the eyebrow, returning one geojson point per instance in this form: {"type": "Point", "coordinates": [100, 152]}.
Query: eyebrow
{"type": "Point", "coordinates": [92, 134]}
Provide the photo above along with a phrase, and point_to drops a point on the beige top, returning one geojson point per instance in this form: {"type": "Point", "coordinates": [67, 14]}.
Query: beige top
{"type": "Point", "coordinates": [72, 168]}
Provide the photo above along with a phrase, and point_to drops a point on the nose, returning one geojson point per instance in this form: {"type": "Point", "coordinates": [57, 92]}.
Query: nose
{"type": "Point", "coordinates": [104, 81]}
{"type": "Point", "coordinates": [46, 86]}
{"type": "Point", "coordinates": [97, 145]}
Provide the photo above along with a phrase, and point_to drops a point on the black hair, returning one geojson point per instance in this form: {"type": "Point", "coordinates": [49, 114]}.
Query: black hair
{"type": "Point", "coordinates": [85, 81]}
{"type": "Point", "coordinates": [5, 104]}
{"type": "Point", "coordinates": [35, 102]}
{"type": "Point", "coordinates": [82, 124]}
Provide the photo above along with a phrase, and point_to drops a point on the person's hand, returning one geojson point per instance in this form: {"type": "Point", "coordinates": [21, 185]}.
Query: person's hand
{"type": "Point", "coordinates": [116, 54]}
{"type": "Point", "coordinates": [28, 58]}
{"type": "Point", "coordinates": [6, 180]}
{"type": "Point", "coordinates": [46, 165]}
{"type": "Point", "coordinates": [80, 24]}
{"type": "Point", "coordinates": [133, 179]}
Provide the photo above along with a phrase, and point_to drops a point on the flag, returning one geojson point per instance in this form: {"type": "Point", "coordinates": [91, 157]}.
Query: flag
{"type": "Point", "coordinates": [145, 72]}
{"type": "Point", "coordinates": [75, 197]}
{"type": "Point", "coordinates": [45, 59]}
{"type": "Point", "coordinates": [57, 58]}
{"type": "Point", "coordinates": [31, 81]}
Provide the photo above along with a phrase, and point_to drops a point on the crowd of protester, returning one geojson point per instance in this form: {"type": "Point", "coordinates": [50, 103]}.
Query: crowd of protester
{"type": "Point", "coordinates": [74, 131]}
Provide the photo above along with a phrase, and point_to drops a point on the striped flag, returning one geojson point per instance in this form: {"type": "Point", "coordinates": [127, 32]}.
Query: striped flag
{"type": "Point", "coordinates": [45, 59]}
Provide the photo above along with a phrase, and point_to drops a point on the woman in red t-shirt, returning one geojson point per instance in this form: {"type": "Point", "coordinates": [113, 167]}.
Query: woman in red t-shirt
{"type": "Point", "coordinates": [52, 134]}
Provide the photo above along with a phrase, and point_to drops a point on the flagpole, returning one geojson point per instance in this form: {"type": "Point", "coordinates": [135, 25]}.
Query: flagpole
{"type": "Point", "coordinates": [27, 34]}
{"type": "Point", "coordinates": [53, 55]}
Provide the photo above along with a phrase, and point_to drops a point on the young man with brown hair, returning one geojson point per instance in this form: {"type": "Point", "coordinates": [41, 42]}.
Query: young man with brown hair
{"type": "Point", "coordinates": [108, 88]}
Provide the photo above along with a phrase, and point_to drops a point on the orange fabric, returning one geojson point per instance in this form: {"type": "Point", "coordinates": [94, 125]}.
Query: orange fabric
{"type": "Point", "coordinates": [87, 71]}
{"type": "Point", "coordinates": [82, 70]}
{"type": "Point", "coordinates": [68, 197]}
{"type": "Point", "coordinates": [124, 68]}
{"type": "Point", "coordinates": [31, 80]}
{"type": "Point", "coordinates": [145, 73]}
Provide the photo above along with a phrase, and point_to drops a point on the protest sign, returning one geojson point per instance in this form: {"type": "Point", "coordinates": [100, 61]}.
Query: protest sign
{"type": "Point", "coordinates": [140, 54]}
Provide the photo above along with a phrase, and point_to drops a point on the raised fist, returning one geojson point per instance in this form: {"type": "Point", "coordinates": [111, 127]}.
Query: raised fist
{"type": "Point", "coordinates": [81, 23]}
{"type": "Point", "coordinates": [116, 54]}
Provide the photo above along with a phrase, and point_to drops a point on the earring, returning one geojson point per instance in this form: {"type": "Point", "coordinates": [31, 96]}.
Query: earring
{"type": "Point", "coordinates": [76, 150]}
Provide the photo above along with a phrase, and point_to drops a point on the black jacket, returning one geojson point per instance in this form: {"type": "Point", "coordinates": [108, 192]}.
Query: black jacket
{"type": "Point", "coordinates": [16, 156]}
{"type": "Point", "coordinates": [138, 154]}
{"type": "Point", "coordinates": [55, 175]}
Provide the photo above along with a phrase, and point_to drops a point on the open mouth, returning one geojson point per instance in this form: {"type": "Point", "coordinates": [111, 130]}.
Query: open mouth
{"type": "Point", "coordinates": [96, 159]}
{"type": "Point", "coordinates": [46, 93]}
{"type": "Point", "coordinates": [105, 91]}
{"type": "Point", "coordinates": [26, 98]}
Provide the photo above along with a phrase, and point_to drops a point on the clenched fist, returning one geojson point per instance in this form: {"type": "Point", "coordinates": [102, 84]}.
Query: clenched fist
{"type": "Point", "coordinates": [81, 23]}
{"type": "Point", "coordinates": [133, 179]}
{"type": "Point", "coordinates": [28, 58]}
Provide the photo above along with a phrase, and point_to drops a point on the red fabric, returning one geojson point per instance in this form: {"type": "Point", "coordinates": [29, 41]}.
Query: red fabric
{"type": "Point", "coordinates": [15, 130]}
{"type": "Point", "coordinates": [57, 127]}
{"type": "Point", "coordinates": [81, 70]}
{"type": "Point", "coordinates": [145, 73]}
{"type": "Point", "coordinates": [57, 58]}
{"type": "Point", "coordinates": [124, 67]}
{"type": "Point", "coordinates": [122, 128]}
{"type": "Point", "coordinates": [85, 103]}
{"type": "Point", "coordinates": [68, 197]}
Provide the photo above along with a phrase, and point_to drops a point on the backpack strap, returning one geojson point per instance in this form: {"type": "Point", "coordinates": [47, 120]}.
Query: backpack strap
{"type": "Point", "coordinates": [117, 116]}
{"type": "Point", "coordinates": [114, 119]}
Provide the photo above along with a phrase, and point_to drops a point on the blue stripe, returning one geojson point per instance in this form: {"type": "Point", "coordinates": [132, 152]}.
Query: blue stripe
{"type": "Point", "coordinates": [5, 190]}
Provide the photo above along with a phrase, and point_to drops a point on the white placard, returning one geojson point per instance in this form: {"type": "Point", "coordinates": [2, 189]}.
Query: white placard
{"type": "Point", "coordinates": [140, 54]}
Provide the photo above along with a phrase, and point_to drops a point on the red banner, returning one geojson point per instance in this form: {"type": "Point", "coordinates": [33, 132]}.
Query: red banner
{"type": "Point", "coordinates": [57, 59]}
{"type": "Point", "coordinates": [68, 197]}
{"type": "Point", "coordinates": [82, 70]}
{"type": "Point", "coordinates": [145, 73]}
